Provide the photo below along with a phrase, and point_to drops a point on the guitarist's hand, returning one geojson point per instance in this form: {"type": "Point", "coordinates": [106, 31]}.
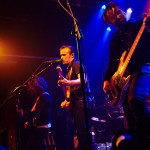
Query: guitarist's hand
{"type": "Point", "coordinates": [107, 86]}
{"type": "Point", "coordinates": [63, 82]}
{"type": "Point", "coordinates": [60, 80]}
{"type": "Point", "coordinates": [26, 125]}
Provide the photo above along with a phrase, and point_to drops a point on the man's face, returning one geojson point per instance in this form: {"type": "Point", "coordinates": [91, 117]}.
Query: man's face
{"type": "Point", "coordinates": [66, 56]}
{"type": "Point", "coordinates": [116, 17]}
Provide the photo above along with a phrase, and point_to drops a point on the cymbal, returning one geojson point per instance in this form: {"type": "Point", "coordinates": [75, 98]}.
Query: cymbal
{"type": "Point", "coordinates": [117, 112]}
{"type": "Point", "coordinates": [120, 117]}
{"type": "Point", "coordinates": [98, 120]}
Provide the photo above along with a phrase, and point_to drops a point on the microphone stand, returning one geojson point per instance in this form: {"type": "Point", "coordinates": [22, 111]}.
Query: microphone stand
{"type": "Point", "coordinates": [33, 74]}
{"type": "Point", "coordinates": [16, 90]}
{"type": "Point", "coordinates": [79, 35]}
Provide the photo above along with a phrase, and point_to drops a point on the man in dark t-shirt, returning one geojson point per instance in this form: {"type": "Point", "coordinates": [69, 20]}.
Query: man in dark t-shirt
{"type": "Point", "coordinates": [72, 81]}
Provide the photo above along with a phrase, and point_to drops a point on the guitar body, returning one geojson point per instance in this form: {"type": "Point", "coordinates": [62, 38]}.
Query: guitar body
{"type": "Point", "coordinates": [118, 84]}
{"type": "Point", "coordinates": [66, 90]}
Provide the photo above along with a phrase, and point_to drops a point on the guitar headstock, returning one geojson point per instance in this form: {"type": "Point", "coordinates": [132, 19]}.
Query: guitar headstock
{"type": "Point", "coordinates": [58, 68]}
{"type": "Point", "coordinates": [146, 15]}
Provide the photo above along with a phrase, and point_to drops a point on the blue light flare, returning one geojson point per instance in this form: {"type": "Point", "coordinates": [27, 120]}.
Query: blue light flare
{"type": "Point", "coordinates": [101, 11]}
{"type": "Point", "coordinates": [128, 13]}
{"type": "Point", "coordinates": [108, 29]}
{"type": "Point", "coordinates": [104, 7]}
{"type": "Point", "coordinates": [129, 10]}
{"type": "Point", "coordinates": [106, 34]}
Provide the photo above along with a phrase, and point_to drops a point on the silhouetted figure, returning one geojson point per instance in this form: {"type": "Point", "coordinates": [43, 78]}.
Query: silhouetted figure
{"type": "Point", "coordinates": [134, 105]}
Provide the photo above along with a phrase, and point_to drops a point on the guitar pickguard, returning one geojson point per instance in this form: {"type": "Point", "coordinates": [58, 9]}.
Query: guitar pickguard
{"type": "Point", "coordinates": [119, 83]}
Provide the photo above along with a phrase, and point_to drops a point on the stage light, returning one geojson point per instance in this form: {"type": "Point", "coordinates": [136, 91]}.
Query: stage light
{"type": "Point", "coordinates": [106, 34]}
{"type": "Point", "coordinates": [101, 11]}
{"type": "Point", "coordinates": [104, 7]}
{"type": "Point", "coordinates": [128, 13]}
{"type": "Point", "coordinates": [129, 10]}
{"type": "Point", "coordinates": [108, 29]}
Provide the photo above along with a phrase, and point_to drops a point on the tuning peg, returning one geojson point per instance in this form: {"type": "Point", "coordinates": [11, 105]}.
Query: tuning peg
{"type": "Point", "coordinates": [145, 14]}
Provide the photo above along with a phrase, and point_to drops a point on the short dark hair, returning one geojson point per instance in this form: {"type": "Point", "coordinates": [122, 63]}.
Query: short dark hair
{"type": "Point", "coordinates": [106, 11]}
{"type": "Point", "coordinates": [72, 50]}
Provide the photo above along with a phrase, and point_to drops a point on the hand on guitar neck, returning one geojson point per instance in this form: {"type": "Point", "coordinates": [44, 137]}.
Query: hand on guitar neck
{"type": "Point", "coordinates": [66, 89]}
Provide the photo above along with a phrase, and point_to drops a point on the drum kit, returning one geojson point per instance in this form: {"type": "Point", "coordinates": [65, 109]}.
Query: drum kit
{"type": "Point", "coordinates": [104, 128]}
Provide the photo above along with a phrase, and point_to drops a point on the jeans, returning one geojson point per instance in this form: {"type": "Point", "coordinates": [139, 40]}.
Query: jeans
{"type": "Point", "coordinates": [135, 104]}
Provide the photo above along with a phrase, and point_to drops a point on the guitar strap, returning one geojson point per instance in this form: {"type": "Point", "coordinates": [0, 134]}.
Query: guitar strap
{"type": "Point", "coordinates": [68, 87]}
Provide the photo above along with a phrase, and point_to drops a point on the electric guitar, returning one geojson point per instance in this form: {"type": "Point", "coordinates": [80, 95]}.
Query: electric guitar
{"type": "Point", "coordinates": [118, 82]}
{"type": "Point", "coordinates": [66, 89]}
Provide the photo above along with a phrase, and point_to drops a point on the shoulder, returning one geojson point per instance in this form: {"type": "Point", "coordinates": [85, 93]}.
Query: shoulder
{"type": "Point", "coordinates": [46, 96]}
{"type": "Point", "coordinates": [138, 23]}
{"type": "Point", "coordinates": [134, 24]}
{"type": "Point", "coordinates": [75, 64]}
{"type": "Point", "coordinates": [76, 67]}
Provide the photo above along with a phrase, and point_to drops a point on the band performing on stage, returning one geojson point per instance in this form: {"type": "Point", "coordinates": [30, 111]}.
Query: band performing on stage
{"type": "Point", "coordinates": [77, 101]}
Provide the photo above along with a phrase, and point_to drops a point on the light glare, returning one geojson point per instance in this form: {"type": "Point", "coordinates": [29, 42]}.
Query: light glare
{"type": "Point", "coordinates": [104, 7]}
{"type": "Point", "coordinates": [108, 29]}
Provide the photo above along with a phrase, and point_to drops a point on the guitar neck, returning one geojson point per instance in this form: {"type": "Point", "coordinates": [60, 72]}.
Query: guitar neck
{"type": "Point", "coordinates": [61, 77]}
{"type": "Point", "coordinates": [63, 87]}
{"type": "Point", "coordinates": [132, 49]}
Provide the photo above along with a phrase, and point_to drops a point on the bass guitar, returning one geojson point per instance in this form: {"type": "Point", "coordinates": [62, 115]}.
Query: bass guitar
{"type": "Point", "coordinates": [118, 81]}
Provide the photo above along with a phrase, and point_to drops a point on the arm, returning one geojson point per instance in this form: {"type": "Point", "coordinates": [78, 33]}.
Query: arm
{"type": "Point", "coordinates": [75, 82]}
{"type": "Point", "coordinates": [113, 63]}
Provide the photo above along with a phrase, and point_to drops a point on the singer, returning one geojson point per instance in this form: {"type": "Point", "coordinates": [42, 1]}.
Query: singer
{"type": "Point", "coordinates": [76, 99]}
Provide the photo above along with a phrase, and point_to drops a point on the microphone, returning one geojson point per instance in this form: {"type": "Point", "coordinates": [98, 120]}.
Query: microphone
{"type": "Point", "coordinates": [53, 61]}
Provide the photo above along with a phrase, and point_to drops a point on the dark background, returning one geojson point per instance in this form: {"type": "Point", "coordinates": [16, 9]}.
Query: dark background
{"type": "Point", "coordinates": [32, 31]}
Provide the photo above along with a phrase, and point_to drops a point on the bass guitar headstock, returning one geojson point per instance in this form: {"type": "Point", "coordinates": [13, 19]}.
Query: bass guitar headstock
{"type": "Point", "coordinates": [147, 16]}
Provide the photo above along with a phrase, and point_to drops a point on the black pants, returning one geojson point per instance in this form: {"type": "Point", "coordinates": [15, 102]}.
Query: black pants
{"type": "Point", "coordinates": [135, 105]}
{"type": "Point", "coordinates": [78, 113]}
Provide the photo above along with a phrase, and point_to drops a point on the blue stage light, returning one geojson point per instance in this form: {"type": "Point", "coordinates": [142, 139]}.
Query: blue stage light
{"type": "Point", "coordinates": [104, 7]}
{"type": "Point", "coordinates": [128, 13]}
{"type": "Point", "coordinates": [129, 10]}
{"type": "Point", "coordinates": [108, 29]}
